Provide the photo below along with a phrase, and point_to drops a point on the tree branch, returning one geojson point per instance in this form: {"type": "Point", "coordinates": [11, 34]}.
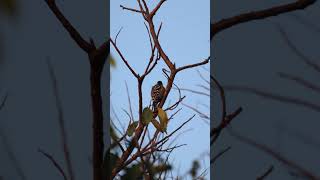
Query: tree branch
{"type": "Point", "coordinates": [306, 173]}
{"type": "Point", "coordinates": [265, 174]}
{"type": "Point", "coordinates": [54, 162]}
{"type": "Point", "coordinates": [255, 15]}
{"type": "Point", "coordinates": [123, 59]}
{"type": "Point", "coordinates": [63, 134]}
{"type": "Point", "coordinates": [83, 44]}
{"type": "Point", "coordinates": [214, 159]}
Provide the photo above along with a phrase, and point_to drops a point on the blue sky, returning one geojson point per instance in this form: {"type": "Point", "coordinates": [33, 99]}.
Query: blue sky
{"type": "Point", "coordinates": [185, 39]}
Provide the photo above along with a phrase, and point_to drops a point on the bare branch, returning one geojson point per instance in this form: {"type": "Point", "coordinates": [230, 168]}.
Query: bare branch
{"type": "Point", "coordinates": [154, 11]}
{"type": "Point", "coordinates": [266, 174]}
{"type": "Point", "coordinates": [115, 40]}
{"type": "Point", "coordinates": [306, 173]}
{"type": "Point", "coordinates": [3, 101]}
{"type": "Point", "coordinates": [215, 132]}
{"type": "Point", "coordinates": [123, 59]}
{"type": "Point", "coordinates": [54, 162]}
{"type": "Point", "coordinates": [193, 65]}
{"type": "Point", "coordinates": [214, 159]}
{"type": "Point", "coordinates": [11, 155]}
{"type": "Point", "coordinates": [129, 101]}
{"type": "Point", "coordinates": [201, 114]}
{"type": "Point", "coordinates": [290, 44]}
{"type": "Point", "coordinates": [255, 15]}
{"type": "Point", "coordinates": [83, 44]}
{"type": "Point", "coordinates": [130, 9]}
{"type": "Point", "coordinates": [195, 92]}
{"type": "Point", "coordinates": [300, 81]}
{"type": "Point", "coordinates": [276, 97]}
{"type": "Point", "coordinates": [63, 134]}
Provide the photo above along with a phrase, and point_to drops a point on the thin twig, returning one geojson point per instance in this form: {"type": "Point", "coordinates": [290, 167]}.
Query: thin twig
{"type": "Point", "coordinates": [300, 81]}
{"type": "Point", "coordinates": [8, 148]}
{"type": "Point", "coordinates": [83, 44]}
{"type": "Point", "coordinates": [224, 24]}
{"type": "Point", "coordinates": [123, 59]}
{"type": "Point", "coordinates": [214, 159]}
{"type": "Point", "coordinates": [54, 162]}
{"type": "Point", "coordinates": [294, 49]}
{"type": "Point", "coordinates": [276, 97]}
{"type": "Point", "coordinates": [129, 101]}
{"type": "Point", "coordinates": [305, 172]}
{"type": "Point", "coordinates": [266, 174]}
{"type": "Point", "coordinates": [63, 134]}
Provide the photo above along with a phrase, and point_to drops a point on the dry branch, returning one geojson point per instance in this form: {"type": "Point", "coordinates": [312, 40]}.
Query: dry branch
{"type": "Point", "coordinates": [303, 171]}
{"type": "Point", "coordinates": [54, 162]}
{"type": "Point", "coordinates": [255, 15]}
{"type": "Point", "coordinates": [63, 134]}
{"type": "Point", "coordinates": [266, 174]}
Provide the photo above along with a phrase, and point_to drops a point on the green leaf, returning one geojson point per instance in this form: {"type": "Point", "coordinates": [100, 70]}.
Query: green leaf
{"type": "Point", "coordinates": [161, 168]}
{"type": "Point", "coordinates": [132, 172]}
{"type": "Point", "coordinates": [195, 168]}
{"type": "Point", "coordinates": [163, 119]}
{"type": "Point", "coordinates": [112, 61]}
{"type": "Point", "coordinates": [132, 127]}
{"type": "Point", "coordinates": [156, 124]}
{"type": "Point", "coordinates": [147, 116]}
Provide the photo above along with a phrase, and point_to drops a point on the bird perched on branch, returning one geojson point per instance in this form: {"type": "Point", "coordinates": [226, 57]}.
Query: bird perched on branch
{"type": "Point", "coordinates": [157, 93]}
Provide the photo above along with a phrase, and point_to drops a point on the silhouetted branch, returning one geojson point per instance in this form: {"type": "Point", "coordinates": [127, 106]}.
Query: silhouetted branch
{"type": "Point", "coordinates": [300, 81]}
{"type": "Point", "coordinates": [63, 134]}
{"type": "Point", "coordinates": [129, 101]}
{"type": "Point", "coordinates": [305, 172]}
{"type": "Point", "coordinates": [290, 44]}
{"type": "Point", "coordinates": [266, 174]}
{"type": "Point", "coordinates": [123, 59]}
{"type": "Point", "coordinates": [201, 114]}
{"type": "Point", "coordinates": [7, 147]}
{"type": "Point", "coordinates": [55, 163]}
{"type": "Point", "coordinates": [255, 15]}
{"type": "Point", "coordinates": [3, 101]}
{"type": "Point", "coordinates": [214, 159]}
{"type": "Point", "coordinates": [195, 92]}
{"type": "Point", "coordinates": [306, 22]}
{"type": "Point", "coordinates": [83, 44]}
{"type": "Point", "coordinates": [225, 119]}
{"type": "Point", "coordinates": [276, 97]}
{"type": "Point", "coordinates": [194, 65]}
{"type": "Point", "coordinates": [130, 9]}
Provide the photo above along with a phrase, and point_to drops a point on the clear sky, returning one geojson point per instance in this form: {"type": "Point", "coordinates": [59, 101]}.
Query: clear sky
{"type": "Point", "coordinates": [185, 38]}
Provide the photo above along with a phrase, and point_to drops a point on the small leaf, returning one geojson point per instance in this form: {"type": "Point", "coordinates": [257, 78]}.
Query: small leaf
{"type": "Point", "coordinates": [195, 168]}
{"type": "Point", "coordinates": [147, 116]}
{"type": "Point", "coordinates": [156, 124]}
{"type": "Point", "coordinates": [132, 127]}
{"type": "Point", "coordinates": [111, 60]}
{"type": "Point", "coordinates": [163, 119]}
{"type": "Point", "coordinates": [133, 172]}
{"type": "Point", "coordinates": [161, 168]}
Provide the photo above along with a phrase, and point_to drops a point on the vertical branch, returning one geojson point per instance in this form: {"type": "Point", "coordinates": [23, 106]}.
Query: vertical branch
{"type": "Point", "coordinates": [63, 134]}
{"type": "Point", "coordinates": [97, 138]}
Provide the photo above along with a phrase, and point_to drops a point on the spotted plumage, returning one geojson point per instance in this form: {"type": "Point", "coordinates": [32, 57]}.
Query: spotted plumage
{"type": "Point", "coordinates": [157, 93]}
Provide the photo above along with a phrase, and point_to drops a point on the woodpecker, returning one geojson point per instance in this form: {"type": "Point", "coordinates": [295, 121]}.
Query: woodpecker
{"type": "Point", "coordinates": [157, 93]}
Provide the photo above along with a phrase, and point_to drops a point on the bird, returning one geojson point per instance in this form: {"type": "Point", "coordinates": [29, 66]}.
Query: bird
{"type": "Point", "coordinates": [157, 93]}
